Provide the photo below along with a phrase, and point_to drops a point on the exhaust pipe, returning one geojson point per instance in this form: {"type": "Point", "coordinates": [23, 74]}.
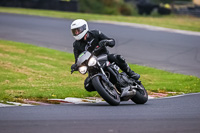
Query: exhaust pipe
{"type": "Point", "coordinates": [128, 92]}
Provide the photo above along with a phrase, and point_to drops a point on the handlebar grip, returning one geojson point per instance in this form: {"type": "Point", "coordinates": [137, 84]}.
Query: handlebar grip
{"type": "Point", "coordinates": [72, 71]}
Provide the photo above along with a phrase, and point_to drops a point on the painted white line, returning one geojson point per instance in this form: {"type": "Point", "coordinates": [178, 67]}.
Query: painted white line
{"type": "Point", "coordinates": [77, 100]}
{"type": "Point", "coordinates": [19, 104]}
{"type": "Point", "coordinates": [179, 95]}
{"type": "Point", "coordinates": [5, 105]}
{"type": "Point", "coordinates": [149, 27]}
{"type": "Point", "coordinates": [11, 104]}
{"type": "Point", "coordinates": [150, 97]}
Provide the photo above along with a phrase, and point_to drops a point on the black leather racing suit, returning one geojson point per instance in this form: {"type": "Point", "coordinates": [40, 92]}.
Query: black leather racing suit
{"type": "Point", "coordinates": [93, 39]}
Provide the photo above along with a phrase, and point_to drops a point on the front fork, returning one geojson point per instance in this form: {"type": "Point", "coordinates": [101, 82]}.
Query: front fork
{"type": "Point", "coordinates": [104, 77]}
{"type": "Point", "coordinates": [101, 69]}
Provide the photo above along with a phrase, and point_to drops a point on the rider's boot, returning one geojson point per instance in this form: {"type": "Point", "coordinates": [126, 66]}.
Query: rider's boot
{"type": "Point", "coordinates": [131, 73]}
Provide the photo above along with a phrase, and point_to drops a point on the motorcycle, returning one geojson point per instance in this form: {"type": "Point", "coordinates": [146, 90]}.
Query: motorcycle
{"type": "Point", "coordinates": [105, 78]}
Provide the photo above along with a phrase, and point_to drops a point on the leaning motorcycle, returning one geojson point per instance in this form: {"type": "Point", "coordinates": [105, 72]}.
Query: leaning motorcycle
{"type": "Point", "coordinates": [105, 78]}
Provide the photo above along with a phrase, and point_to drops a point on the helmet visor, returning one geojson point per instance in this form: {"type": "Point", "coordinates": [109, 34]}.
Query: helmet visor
{"type": "Point", "coordinates": [79, 30]}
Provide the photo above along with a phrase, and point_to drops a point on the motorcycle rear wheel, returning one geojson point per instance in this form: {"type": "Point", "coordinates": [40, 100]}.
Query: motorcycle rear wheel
{"type": "Point", "coordinates": [105, 92]}
{"type": "Point", "coordinates": [141, 96]}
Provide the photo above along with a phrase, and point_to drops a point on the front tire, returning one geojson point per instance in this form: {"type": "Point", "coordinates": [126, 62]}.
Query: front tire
{"type": "Point", "coordinates": [105, 92]}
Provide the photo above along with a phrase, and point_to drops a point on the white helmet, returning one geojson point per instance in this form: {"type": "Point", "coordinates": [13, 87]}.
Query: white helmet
{"type": "Point", "coordinates": [79, 28]}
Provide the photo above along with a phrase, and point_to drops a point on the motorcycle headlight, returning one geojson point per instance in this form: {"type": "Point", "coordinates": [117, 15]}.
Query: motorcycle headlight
{"type": "Point", "coordinates": [82, 69]}
{"type": "Point", "coordinates": [92, 61]}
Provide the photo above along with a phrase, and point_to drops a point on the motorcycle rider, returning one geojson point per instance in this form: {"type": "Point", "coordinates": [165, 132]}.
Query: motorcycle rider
{"type": "Point", "coordinates": [89, 40]}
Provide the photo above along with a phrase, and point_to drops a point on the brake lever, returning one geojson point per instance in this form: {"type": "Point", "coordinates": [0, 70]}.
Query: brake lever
{"type": "Point", "coordinates": [96, 49]}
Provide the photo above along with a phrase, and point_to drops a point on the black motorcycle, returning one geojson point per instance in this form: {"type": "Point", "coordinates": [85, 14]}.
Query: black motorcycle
{"type": "Point", "coordinates": [104, 77]}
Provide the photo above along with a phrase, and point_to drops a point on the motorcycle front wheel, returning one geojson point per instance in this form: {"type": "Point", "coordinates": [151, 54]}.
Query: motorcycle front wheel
{"type": "Point", "coordinates": [108, 94]}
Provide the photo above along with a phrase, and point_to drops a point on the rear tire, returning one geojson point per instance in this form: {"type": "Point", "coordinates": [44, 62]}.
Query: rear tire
{"type": "Point", "coordinates": [100, 87]}
{"type": "Point", "coordinates": [141, 96]}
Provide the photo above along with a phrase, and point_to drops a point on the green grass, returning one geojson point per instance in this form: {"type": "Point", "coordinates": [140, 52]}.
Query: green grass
{"type": "Point", "coordinates": [172, 21]}
{"type": "Point", "coordinates": [34, 72]}
{"type": "Point", "coordinates": [37, 73]}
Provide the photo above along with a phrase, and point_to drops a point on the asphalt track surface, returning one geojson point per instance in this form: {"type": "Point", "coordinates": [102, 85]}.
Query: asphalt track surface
{"type": "Point", "coordinates": [165, 50]}
{"type": "Point", "coordinates": [176, 115]}
{"type": "Point", "coordinates": [179, 53]}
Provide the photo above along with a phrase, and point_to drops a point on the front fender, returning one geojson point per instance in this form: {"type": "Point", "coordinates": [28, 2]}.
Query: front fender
{"type": "Point", "coordinates": [98, 74]}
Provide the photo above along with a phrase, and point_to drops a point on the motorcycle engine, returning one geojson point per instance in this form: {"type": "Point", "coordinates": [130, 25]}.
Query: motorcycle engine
{"type": "Point", "coordinates": [123, 79]}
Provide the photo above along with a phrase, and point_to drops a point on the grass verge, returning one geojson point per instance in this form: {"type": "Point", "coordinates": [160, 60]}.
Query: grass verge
{"type": "Point", "coordinates": [172, 21]}
{"type": "Point", "coordinates": [37, 73]}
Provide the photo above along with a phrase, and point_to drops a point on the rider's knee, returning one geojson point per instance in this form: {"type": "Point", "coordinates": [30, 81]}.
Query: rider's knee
{"type": "Point", "coordinates": [112, 57]}
{"type": "Point", "coordinates": [121, 59]}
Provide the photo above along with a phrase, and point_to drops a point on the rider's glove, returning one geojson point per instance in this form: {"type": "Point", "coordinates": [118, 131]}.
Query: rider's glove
{"type": "Point", "coordinates": [73, 68]}
{"type": "Point", "coordinates": [103, 43]}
